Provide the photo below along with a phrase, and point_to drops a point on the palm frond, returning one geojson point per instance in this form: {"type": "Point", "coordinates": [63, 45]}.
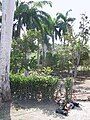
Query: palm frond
{"type": "Point", "coordinates": [40, 4]}
{"type": "Point", "coordinates": [71, 19]}
{"type": "Point", "coordinates": [68, 12]}
{"type": "Point", "coordinates": [37, 22]}
{"type": "Point", "coordinates": [43, 13]}
{"type": "Point", "coordinates": [60, 16]}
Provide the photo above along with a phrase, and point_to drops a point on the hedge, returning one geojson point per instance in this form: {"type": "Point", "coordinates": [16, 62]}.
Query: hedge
{"type": "Point", "coordinates": [33, 87]}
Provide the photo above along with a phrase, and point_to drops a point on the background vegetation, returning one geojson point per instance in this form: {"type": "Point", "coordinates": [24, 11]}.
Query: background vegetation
{"type": "Point", "coordinates": [33, 50]}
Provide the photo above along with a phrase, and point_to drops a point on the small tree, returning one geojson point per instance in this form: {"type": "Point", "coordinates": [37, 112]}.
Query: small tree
{"type": "Point", "coordinates": [84, 28]}
{"type": "Point", "coordinates": [22, 49]}
{"type": "Point", "coordinates": [68, 89]}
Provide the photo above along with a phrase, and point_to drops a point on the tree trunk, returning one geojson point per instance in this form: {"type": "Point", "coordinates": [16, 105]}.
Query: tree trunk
{"type": "Point", "coordinates": [5, 47]}
{"type": "Point", "coordinates": [43, 54]}
{"type": "Point", "coordinates": [53, 41]}
{"type": "Point", "coordinates": [75, 71]}
{"type": "Point", "coordinates": [38, 54]}
{"type": "Point", "coordinates": [77, 64]}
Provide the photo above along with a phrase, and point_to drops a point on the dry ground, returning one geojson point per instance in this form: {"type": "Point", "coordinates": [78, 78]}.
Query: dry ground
{"type": "Point", "coordinates": [43, 111]}
{"type": "Point", "coordinates": [82, 88]}
{"type": "Point", "coordinates": [28, 110]}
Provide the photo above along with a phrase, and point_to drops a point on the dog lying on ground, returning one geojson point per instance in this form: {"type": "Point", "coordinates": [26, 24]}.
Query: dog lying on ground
{"type": "Point", "coordinates": [65, 107]}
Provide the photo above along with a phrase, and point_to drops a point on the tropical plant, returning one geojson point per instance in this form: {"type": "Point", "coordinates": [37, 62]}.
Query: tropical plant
{"type": "Point", "coordinates": [27, 14]}
{"type": "Point", "coordinates": [68, 89]}
{"type": "Point", "coordinates": [84, 28]}
{"type": "Point", "coordinates": [64, 24]}
{"type": "Point", "coordinates": [22, 49]}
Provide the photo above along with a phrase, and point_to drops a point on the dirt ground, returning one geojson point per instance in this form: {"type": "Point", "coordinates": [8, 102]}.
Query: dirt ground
{"type": "Point", "coordinates": [43, 111]}
{"type": "Point", "coordinates": [82, 88]}
{"type": "Point", "coordinates": [31, 110]}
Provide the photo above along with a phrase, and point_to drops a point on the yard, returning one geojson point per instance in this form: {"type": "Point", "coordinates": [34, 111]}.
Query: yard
{"type": "Point", "coordinates": [23, 110]}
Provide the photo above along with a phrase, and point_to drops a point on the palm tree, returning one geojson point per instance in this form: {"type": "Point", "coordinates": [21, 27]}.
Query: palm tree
{"type": "Point", "coordinates": [5, 47]}
{"type": "Point", "coordinates": [54, 33]}
{"type": "Point", "coordinates": [28, 15]}
{"type": "Point", "coordinates": [64, 24]}
{"type": "Point", "coordinates": [60, 26]}
{"type": "Point", "coordinates": [21, 9]}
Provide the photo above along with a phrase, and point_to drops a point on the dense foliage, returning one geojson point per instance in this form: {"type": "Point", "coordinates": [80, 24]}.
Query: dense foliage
{"type": "Point", "coordinates": [36, 50]}
{"type": "Point", "coordinates": [35, 86]}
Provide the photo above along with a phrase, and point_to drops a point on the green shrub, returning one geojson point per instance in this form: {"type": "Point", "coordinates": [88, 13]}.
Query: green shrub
{"type": "Point", "coordinates": [68, 88]}
{"type": "Point", "coordinates": [47, 70]}
{"type": "Point", "coordinates": [32, 86]}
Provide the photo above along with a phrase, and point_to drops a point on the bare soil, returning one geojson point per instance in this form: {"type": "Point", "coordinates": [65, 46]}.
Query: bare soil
{"type": "Point", "coordinates": [32, 110]}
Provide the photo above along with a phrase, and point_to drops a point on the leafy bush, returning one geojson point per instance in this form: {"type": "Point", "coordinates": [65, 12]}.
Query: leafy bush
{"type": "Point", "coordinates": [47, 70]}
{"type": "Point", "coordinates": [34, 86]}
{"type": "Point", "coordinates": [68, 88]}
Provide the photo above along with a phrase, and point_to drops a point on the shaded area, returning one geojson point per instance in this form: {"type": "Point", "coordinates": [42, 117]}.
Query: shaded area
{"type": "Point", "coordinates": [47, 107]}
{"type": "Point", "coordinates": [5, 111]}
{"type": "Point", "coordinates": [23, 110]}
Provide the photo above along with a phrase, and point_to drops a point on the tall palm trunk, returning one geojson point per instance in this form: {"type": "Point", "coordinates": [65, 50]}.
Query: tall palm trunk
{"type": "Point", "coordinates": [38, 54]}
{"type": "Point", "coordinates": [43, 54]}
{"type": "Point", "coordinates": [53, 41]}
{"type": "Point", "coordinates": [18, 28]}
{"type": "Point", "coordinates": [5, 47]}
